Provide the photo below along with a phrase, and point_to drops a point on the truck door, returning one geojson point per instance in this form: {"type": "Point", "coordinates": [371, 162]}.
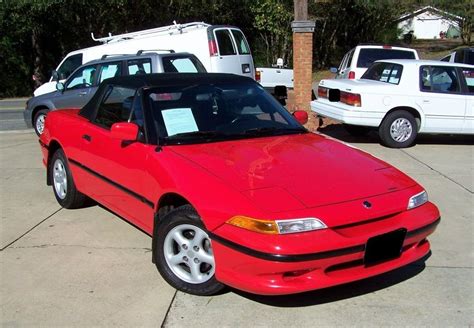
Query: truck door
{"type": "Point", "coordinates": [243, 50]}
{"type": "Point", "coordinates": [228, 59]}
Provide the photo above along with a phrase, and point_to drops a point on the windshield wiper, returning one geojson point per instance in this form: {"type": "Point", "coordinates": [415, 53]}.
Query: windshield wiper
{"type": "Point", "coordinates": [198, 134]}
{"type": "Point", "coordinates": [272, 131]}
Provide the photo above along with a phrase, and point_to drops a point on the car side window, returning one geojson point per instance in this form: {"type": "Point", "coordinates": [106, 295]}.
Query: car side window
{"type": "Point", "coordinates": [440, 79]}
{"type": "Point", "coordinates": [425, 81]}
{"type": "Point", "coordinates": [349, 59]}
{"type": "Point", "coordinates": [137, 116]}
{"type": "Point", "coordinates": [224, 42]}
{"type": "Point", "coordinates": [343, 62]}
{"type": "Point", "coordinates": [176, 64]}
{"type": "Point", "coordinates": [139, 66]}
{"type": "Point", "coordinates": [83, 78]}
{"type": "Point", "coordinates": [446, 59]}
{"type": "Point", "coordinates": [468, 75]}
{"type": "Point", "coordinates": [115, 107]}
{"type": "Point", "coordinates": [69, 65]}
{"type": "Point", "coordinates": [109, 70]}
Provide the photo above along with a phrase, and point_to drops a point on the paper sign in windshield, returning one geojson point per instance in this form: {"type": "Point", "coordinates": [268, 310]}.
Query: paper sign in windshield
{"type": "Point", "coordinates": [179, 120]}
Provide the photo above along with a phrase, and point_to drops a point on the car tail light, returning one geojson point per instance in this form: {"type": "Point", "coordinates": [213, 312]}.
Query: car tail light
{"type": "Point", "coordinates": [258, 76]}
{"type": "Point", "coordinates": [322, 92]}
{"type": "Point", "coordinates": [352, 75]}
{"type": "Point", "coordinates": [212, 48]}
{"type": "Point", "coordinates": [386, 46]}
{"type": "Point", "coordinates": [352, 99]}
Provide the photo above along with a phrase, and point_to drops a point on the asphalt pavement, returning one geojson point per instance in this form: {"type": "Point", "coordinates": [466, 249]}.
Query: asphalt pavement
{"type": "Point", "coordinates": [87, 267]}
{"type": "Point", "coordinates": [11, 114]}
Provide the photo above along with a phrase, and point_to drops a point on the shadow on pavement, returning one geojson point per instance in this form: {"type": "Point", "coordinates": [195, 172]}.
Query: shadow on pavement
{"type": "Point", "coordinates": [341, 292]}
{"type": "Point", "coordinates": [337, 131]}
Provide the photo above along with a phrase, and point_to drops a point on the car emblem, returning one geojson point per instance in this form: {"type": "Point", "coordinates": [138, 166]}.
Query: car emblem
{"type": "Point", "coordinates": [367, 204]}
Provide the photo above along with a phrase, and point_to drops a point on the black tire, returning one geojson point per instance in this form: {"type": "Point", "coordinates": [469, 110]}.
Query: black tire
{"type": "Point", "coordinates": [68, 197]}
{"type": "Point", "coordinates": [409, 125]}
{"type": "Point", "coordinates": [356, 130]}
{"type": "Point", "coordinates": [38, 121]}
{"type": "Point", "coordinates": [184, 219]}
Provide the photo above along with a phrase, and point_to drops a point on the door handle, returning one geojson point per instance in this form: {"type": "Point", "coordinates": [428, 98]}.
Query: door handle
{"type": "Point", "coordinates": [87, 137]}
{"type": "Point", "coordinates": [82, 93]}
{"type": "Point", "coordinates": [426, 101]}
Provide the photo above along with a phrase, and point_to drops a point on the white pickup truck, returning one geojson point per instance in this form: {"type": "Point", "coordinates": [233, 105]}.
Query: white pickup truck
{"type": "Point", "coordinates": [277, 80]}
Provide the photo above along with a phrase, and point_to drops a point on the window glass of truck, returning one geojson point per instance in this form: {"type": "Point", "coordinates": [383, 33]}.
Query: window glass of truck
{"type": "Point", "coordinates": [368, 56]}
{"type": "Point", "coordinates": [139, 66]}
{"type": "Point", "coordinates": [242, 45]}
{"type": "Point", "coordinates": [69, 65]}
{"type": "Point", "coordinates": [224, 42]}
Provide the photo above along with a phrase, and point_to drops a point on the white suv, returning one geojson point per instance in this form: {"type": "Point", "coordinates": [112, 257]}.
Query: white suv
{"type": "Point", "coordinates": [402, 98]}
{"type": "Point", "coordinates": [356, 61]}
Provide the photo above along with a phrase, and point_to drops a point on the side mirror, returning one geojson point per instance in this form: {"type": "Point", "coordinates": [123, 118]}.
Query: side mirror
{"type": "Point", "coordinates": [55, 75]}
{"type": "Point", "coordinates": [301, 116]}
{"type": "Point", "coordinates": [60, 86]}
{"type": "Point", "coordinates": [333, 70]}
{"type": "Point", "coordinates": [124, 131]}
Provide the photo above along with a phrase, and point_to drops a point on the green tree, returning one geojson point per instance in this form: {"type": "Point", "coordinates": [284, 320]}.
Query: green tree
{"type": "Point", "coordinates": [272, 20]}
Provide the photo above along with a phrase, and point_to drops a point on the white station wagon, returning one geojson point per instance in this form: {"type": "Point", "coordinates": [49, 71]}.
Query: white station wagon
{"type": "Point", "coordinates": [402, 98]}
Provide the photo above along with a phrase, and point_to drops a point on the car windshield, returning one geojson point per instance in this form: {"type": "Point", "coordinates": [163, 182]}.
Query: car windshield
{"type": "Point", "coordinates": [216, 112]}
{"type": "Point", "coordinates": [384, 72]}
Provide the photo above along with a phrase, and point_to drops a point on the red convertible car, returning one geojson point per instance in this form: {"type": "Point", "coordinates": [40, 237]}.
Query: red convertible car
{"type": "Point", "coordinates": [232, 188]}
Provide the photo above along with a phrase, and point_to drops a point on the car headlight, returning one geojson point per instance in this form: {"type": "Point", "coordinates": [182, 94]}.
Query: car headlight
{"type": "Point", "coordinates": [277, 226]}
{"type": "Point", "coordinates": [417, 200]}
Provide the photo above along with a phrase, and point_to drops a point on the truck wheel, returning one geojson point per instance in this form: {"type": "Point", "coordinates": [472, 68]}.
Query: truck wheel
{"type": "Point", "coordinates": [356, 130]}
{"type": "Point", "coordinates": [38, 121]}
{"type": "Point", "coordinates": [183, 253]}
{"type": "Point", "coordinates": [398, 129]}
{"type": "Point", "coordinates": [64, 188]}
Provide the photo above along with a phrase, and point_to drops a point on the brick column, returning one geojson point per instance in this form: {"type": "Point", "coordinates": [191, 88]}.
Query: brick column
{"type": "Point", "coordinates": [303, 62]}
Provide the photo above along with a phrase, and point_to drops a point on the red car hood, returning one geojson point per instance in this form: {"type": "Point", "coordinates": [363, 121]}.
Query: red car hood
{"type": "Point", "coordinates": [308, 168]}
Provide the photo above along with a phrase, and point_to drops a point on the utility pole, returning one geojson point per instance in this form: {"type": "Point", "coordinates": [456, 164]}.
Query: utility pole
{"type": "Point", "coordinates": [302, 55]}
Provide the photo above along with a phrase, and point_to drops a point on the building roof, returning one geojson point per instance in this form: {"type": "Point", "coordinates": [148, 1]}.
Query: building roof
{"type": "Point", "coordinates": [440, 12]}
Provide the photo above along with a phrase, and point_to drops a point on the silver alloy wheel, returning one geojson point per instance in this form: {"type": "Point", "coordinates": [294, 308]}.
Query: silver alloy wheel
{"type": "Point", "coordinates": [401, 129]}
{"type": "Point", "coordinates": [188, 253]}
{"type": "Point", "coordinates": [40, 123]}
{"type": "Point", "coordinates": [60, 178]}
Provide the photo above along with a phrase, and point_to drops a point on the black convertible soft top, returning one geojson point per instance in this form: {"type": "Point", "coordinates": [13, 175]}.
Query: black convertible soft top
{"type": "Point", "coordinates": [159, 80]}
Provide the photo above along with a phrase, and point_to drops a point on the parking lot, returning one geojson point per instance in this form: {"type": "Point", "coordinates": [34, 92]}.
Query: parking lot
{"type": "Point", "coordinates": [90, 268]}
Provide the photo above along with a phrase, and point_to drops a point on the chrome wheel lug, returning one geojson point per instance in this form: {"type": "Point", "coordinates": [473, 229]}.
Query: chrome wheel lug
{"type": "Point", "coordinates": [196, 260]}
{"type": "Point", "coordinates": [185, 258]}
{"type": "Point", "coordinates": [184, 246]}
{"type": "Point", "coordinates": [196, 248]}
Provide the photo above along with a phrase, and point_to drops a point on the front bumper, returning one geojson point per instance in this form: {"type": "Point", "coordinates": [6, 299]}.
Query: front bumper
{"type": "Point", "coordinates": [266, 273]}
{"type": "Point", "coordinates": [347, 114]}
{"type": "Point", "coordinates": [27, 118]}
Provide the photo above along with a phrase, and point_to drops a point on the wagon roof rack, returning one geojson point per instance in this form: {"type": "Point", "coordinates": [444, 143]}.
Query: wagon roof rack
{"type": "Point", "coordinates": [159, 30]}
{"type": "Point", "coordinates": [114, 55]}
{"type": "Point", "coordinates": [139, 52]}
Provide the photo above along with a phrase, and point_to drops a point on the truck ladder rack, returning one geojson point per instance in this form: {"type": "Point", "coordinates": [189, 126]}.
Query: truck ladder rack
{"type": "Point", "coordinates": [159, 30]}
